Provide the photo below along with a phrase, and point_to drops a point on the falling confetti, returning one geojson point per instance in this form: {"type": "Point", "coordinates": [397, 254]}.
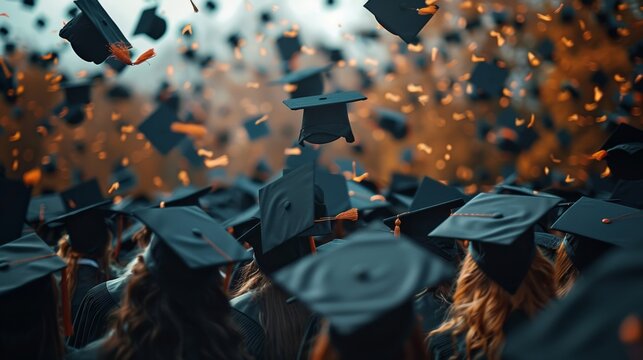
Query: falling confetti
{"type": "Point", "coordinates": [113, 187]}
{"type": "Point", "coordinates": [222, 160]}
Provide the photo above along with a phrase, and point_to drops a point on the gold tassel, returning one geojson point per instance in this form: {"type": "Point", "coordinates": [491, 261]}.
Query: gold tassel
{"type": "Point", "coordinates": [311, 243]}
{"type": "Point", "coordinates": [350, 214]}
{"type": "Point", "coordinates": [396, 230]}
{"type": "Point", "coordinates": [429, 10]}
{"type": "Point", "coordinates": [599, 155]}
{"type": "Point", "coordinates": [121, 53]}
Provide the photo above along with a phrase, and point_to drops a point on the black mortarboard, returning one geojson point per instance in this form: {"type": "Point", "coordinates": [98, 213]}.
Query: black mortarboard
{"type": "Point", "coordinates": [588, 323]}
{"type": "Point", "coordinates": [151, 24]}
{"type": "Point", "coordinates": [44, 208]}
{"type": "Point", "coordinates": [596, 227]}
{"type": "Point", "coordinates": [77, 94]}
{"type": "Point", "coordinates": [488, 80]}
{"type": "Point", "coordinates": [365, 290]}
{"type": "Point", "coordinates": [394, 122]}
{"type": "Point", "coordinates": [25, 260]}
{"type": "Point", "coordinates": [335, 191]}
{"type": "Point", "coordinates": [88, 232]}
{"type": "Point", "coordinates": [623, 151]}
{"type": "Point", "coordinates": [500, 228]}
{"type": "Point", "coordinates": [243, 221]}
{"type": "Point", "coordinates": [92, 31]}
{"type": "Point", "coordinates": [191, 236]}
{"type": "Point", "coordinates": [13, 208]}
{"type": "Point", "coordinates": [119, 92]}
{"type": "Point", "coordinates": [288, 46]}
{"type": "Point", "coordinates": [403, 19]}
{"type": "Point", "coordinates": [403, 184]}
{"type": "Point", "coordinates": [157, 128]}
{"type": "Point", "coordinates": [187, 197]}
{"type": "Point", "coordinates": [81, 195]}
{"type": "Point", "coordinates": [256, 130]}
{"type": "Point", "coordinates": [432, 192]}
{"type": "Point", "coordinates": [290, 206]}
{"type": "Point", "coordinates": [325, 116]}
{"type": "Point", "coordinates": [308, 81]}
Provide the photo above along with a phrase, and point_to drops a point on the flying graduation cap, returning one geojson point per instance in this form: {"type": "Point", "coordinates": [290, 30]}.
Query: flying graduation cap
{"type": "Point", "coordinates": [306, 82]}
{"type": "Point", "coordinates": [13, 208]}
{"type": "Point", "coordinates": [255, 128]}
{"type": "Point", "coordinates": [623, 151]}
{"type": "Point", "coordinates": [402, 18]}
{"type": "Point", "coordinates": [157, 128]}
{"type": "Point", "coordinates": [325, 116]}
{"type": "Point", "coordinates": [393, 122]}
{"type": "Point", "coordinates": [151, 24]}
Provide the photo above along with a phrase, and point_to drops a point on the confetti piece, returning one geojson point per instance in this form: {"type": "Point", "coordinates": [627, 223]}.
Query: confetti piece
{"type": "Point", "coordinates": [205, 153]}
{"type": "Point", "coordinates": [15, 137]}
{"type": "Point", "coordinates": [567, 42]}
{"type": "Point", "coordinates": [32, 177]}
{"type": "Point", "coordinates": [4, 14]}
{"type": "Point", "coordinates": [423, 99]}
{"type": "Point", "coordinates": [261, 119]}
{"type": "Point", "coordinates": [499, 39]}
{"type": "Point", "coordinates": [187, 29]}
{"type": "Point", "coordinates": [113, 187]}
{"type": "Point", "coordinates": [559, 8]}
{"type": "Point", "coordinates": [519, 122]}
{"type": "Point", "coordinates": [546, 170]}
{"type": "Point", "coordinates": [601, 119]}
{"type": "Point", "coordinates": [183, 177]}
{"type": "Point", "coordinates": [195, 130]}
{"type": "Point", "coordinates": [554, 160]}
{"type": "Point", "coordinates": [392, 97]}
{"type": "Point", "coordinates": [252, 85]}
{"type": "Point", "coordinates": [477, 59]}
{"type": "Point", "coordinates": [359, 179]}
{"type": "Point", "coordinates": [292, 151]}
{"type": "Point", "coordinates": [416, 48]}
{"type": "Point", "coordinates": [544, 17]}
{"type": "Point", "coordinates": [531, 121]}
{"type": "Point", "coordinates": [569, 179]}
{"type": "Point", "coordinates": [425, 148]}
{"type": "Point", "coordinates": [434, 54]}
{"type": "Point", "coordinates": [290, 88]}
{"type": "Point", "coordinates": [598, 94]}
{"type": "Point", "coordinates": [607, 172]}
{"type": "Point", "coordinates": [127, 129]}
{"type": "Point", "coordinates": [533, 60]}
{"type": "Point", "coordinates": [599, 155]}
{"type": "Point", "coordinates": [412, 88]}
{"type": "Point", "coordinates": [573, 117]}
{"type": "Point", "coordinates": [222, 160]}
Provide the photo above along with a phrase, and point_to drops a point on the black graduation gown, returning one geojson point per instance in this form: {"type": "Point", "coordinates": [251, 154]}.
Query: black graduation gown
{"type": "Point", "coordinates": [431, 308]}
{"type": "Point", "coordinates": [245, 313]}
{"type": "Point", "coordinates": [90, 352]}
{"type": "Point", "coordinates": [92, 319]}
{"type": "Point", "coordinates": [442, 347]}
{"type": "Point", "coordinates": [87, 277]}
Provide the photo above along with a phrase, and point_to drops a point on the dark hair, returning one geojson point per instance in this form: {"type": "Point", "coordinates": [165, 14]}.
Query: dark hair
{"type": "Point", "coordinates": [30, 328]}
{"type": "Point", "coordinates": [159, 320]}
{"type": "Point", "coordinates": [284, 324]}
{"type": "Point", "coordinates": [72, 256]}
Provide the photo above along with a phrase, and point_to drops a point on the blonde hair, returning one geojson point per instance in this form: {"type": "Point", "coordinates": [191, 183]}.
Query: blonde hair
{"type": "Point", "coordinates": [481, 307]}
{"type": "Point", "coordinates": [565, 273]}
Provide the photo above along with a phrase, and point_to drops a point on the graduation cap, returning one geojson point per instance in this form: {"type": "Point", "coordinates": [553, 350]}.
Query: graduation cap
{"type": "Point", "coordinates": [288, 46]}
{"type": "Point", "coordinates": [78, 93]}
{"type": "Point", "coordinates": [405, 20]}
{"type": "Point", "coordinates": [403, 184]}
{"type": "Point", "coordinates": [157, 128]}
{"type": "Point", "coordinates": [393, 122]}
{"type": "Point", "coordinates": [365, 290]}
{"type": "Point", "coordinates": [88, 232]}
{"type": "Point", "coordinates": [325, 116]}
{"type": "Point", "coordinates": [92, 32]}
{"type": "Point", "coordinates": [598, 226]}
{"type": "Point", "coordinates": [500, 230]}
{"type": "Point", "coordinates": [187, 197]}
{"type": "Point", "coordinates": [151, 24]}
{"type": "Point", "coordinates": [362, 198]}
{"type": "Point", "coordinates": [13, 208]}
{"type": "Point", "coordinates": [243, 221]}
{"type": "Point", "coordinates": [25, 260]}
{"type": "Point", "coordinates": [45, 207]}
{"type": "Point", "coordinates": [432, 192]}
{"type": "Point", "coordinates": [588, 323]}
{"type": "Point", "coordinates": [187, 241]}
{"type": "Point", "coordinates": [305, 154]}
{"type": "Point", "coordinates": [83, 194]}
{"type": "Point", "coordinates": [335, 191]}
{"type": "Point", "coordinates": [256, 130]}
{"type": "Point", "coordinates": [126, 179]}
{"type": "Point", "coordinates": [623, 151]}
{"type": "Point", "coordinates": [488, 80]}
{"type": "Point", "coordinates": [307, 82]}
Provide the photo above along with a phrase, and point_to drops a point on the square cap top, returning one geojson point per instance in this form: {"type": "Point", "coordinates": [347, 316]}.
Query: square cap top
{"type": "Point", "coordinates": [87, 228]}
{"type": "Point", "coordinates": [488, 79]}
{"type": "Point", "coordinates": [603, 221]}
{"type": "Point", "coordinates": [432, 192]}
{"type": "Point", "coordinates": [394, 122]}
{"type": "Point", "coordinates": [403, 184]}
{"type": "Point", "coordinates": [151, 24]}
{"type": "Point", "coordinates": [13, 208]}
{"type": "Point", "coordinates": [45, 207]}
{"type": "Point", "coordinates": [359, 282]}
{"type": "Point", "coordinates": [401, 18]}
{"type": "Point", "coordinates": [623, 134]}
{"type": "Point", "coordinates": [194, 237]}
{"type": "Point", "coordinates": [184, 197]}
{"type": "Point", "coordinates": [302, 74]}
{"type": "Point", "coordinates": [311, 102]}
{"type": "Point", "coordinates": [78, 94]}
{"type": "Point", "coordinates": [102, 21]}
{"type": "Point", "coordinates": [82, 195]}
{"type": "Point", "coordinates": [623, 151]}
{"type": "Point", "coordinates": [256, 130]}
{"type": "Point", "coordinates": [157, 128]}
{"type": "Point", "coordinates": [25, 260]}
{"type": "Point", "coordinates": [287, 206]}
{"type": "Point", "coordinates": [308, 81]}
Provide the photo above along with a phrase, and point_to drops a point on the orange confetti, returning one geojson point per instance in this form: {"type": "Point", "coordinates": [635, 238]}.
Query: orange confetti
{"type": "Point", "coordinates": [222, 160]}
{"type": "Point", "coordinates": [412, 88]}
{"type": "Point", "coordinates": [544, 17]}
{"type": "Point", "coordinates": [477, 59]}
{"type": "Point", "coordinates": [554, 160]}
{"type": "Point", "coordinates": [195, 130]}
{"type": "Point", "coordinates": [15, 137]}
{"type": "Point", "coordinates": [359, 179]}
{"type": "Point", "coordinates": [598, 94]}
{"type": "Point", "coordinates": [205, 153]}
{"type": "Point", "coordinates": [32, 177]}
{"type": "Point", "coordinates": [559, 9]}
{"type": "Point", "coordinates": [519, 122]}
{"type": "Point", "coordinates": [392, 97]}
{"type": "Point", "coordinates": [113, 187]}
{"type": "Point", "coordinates": [533, 60]}
{"type": "Point", "coordinates": [425, 148]}
{"type": "Point", "coordinates": [546, 170]}
{"type": "Point", "coordinates": [261, 119]}
{"type": "Point", "coordinates": [292, 151]}
{"type": "Point", "coordinates": [416, 48]}
{"type": "Point", "coordinates": [599, 155]}
{"type": "Point", "coordinates": [183, 177]}
{"type": "Point", "coordinates": [290, 88]}
{"type": "Point", "coordinates": [428, 10]}
{"type": "Point", "coordinates": [531, 121]}
{"type": "Point", "coordinates": [567, 42]}
{"type": "Point", "coordinates": [569, 179]}
{"type": "Point", "coordinates": [187, 29]}
{"type": "Point", "coordinates": [499, 39]}
{"type": "Point", "coordinates": [607, 172]}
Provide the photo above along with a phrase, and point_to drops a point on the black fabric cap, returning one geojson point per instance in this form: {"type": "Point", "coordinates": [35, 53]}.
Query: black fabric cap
{"type": "Point", "coordinates": [13, 208]}
{"type": "Point", "coordinates": [401, 19]}
{"type": "Point", "coordinates": [87, 229]}
{"type": "Point", "coordinates": [157, 129]}
{"type": "Point", "coordinates": [625, 152]}
{"type": "Point", "coordinates": [500, 228]}
{"type": "Point", "coordinates": [82, 195]}
{"type": "Point", "coordinates": [256, 130]}
{"type": "Point", "coordinates": [92, 31]}
{"type": "Point", "coordinates": [151, 24]}
{"type": "Point", "coordinates": [187, 197]}
{"type": "Point", "coordinates": [24, 260]}
{"type": "Point", "coordinates": [78, 94]}
{"type": "Point", "coordinates": [335, 191]}
{"type": "Point", "coordinates": [364, 289]}
{"type": "Point", "coordinates": [586, 323]}
{"type": "Point", "coordinates": [403, 184]}
{"type": "Point", "coordinates": [288, 47]}
{"type": "Point", "coordinates": [394, 122]}
{"type": "Point", "coordinates": [488, 80]}
{"type": "Point", "coordinates": [45, 207]}
{"type": "Point", "coordinates": [432, 192]}
{"type": "Point", "coordinates": [325, 116]}
{"type": "Point", "coordinates": [309, 81]}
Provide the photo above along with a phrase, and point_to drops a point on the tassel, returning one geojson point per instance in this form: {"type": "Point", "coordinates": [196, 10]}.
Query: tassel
{"type": "Point", "coordinates": [121, 53]}
{"type": "Point", "coordinates": [311, 242]}
{"type": "Point", "coordinates": [429, 10]}
{"type": "Point", "coordinates": [396, 230]}
{"type": "Point", "coordinates": [196, 9]}
{"type": "Point", "coordinates": [599, 155]}
{"type": "Point", "coordinates": [228, 277]}
{"type": "Point", "coordinates": [350, 214]}
{"type": "Point", "coordinates": [66, 303]}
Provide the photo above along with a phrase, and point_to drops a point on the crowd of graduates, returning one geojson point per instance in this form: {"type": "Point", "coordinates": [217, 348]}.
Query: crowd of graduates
{"type": "Point", "coordinates": [330, 261]}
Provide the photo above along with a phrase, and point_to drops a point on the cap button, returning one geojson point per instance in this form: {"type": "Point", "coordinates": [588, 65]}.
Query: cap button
{"type": "Point", "coordinates": [287, 204]}
{"type": "Point", "coordinates": [362, 274]}
{"type": "Point", "coordinates": [197, 232]}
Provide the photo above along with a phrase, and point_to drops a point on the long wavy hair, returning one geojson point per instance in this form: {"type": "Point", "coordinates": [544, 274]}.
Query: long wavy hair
{"type": "Point", "coordinates": [284, 324]}
{"type": "Point", "coordinates": [413, 348]}
{"type": "Point", "coordinates": [158, 321]}
{"type": "Point", "coordinates": [565, 273]}
{"type": "Point", "coordinates": [30, 326]}
{"type": "Point", "coordinates": [71, 257]}
{"type": "Point", "coordinates": [481, 307]}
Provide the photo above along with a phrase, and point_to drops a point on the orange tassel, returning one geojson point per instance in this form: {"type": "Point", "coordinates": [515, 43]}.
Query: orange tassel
{"type": "Point", "coordinates": [311, 242]}
{"type": "Point", "coordinates": [121, 53]}
{"type": "Point", "coordinates": [228, 277]}
{"type": "Point", "coordinates": [396, 230]}
{"type": "Point", "coordinates": [599, 155]}
{"type": "Point", "coordinates": [350, 214]}
{"type": "Point", "coordinates": [196, 9]}
{"type": "Point", "coordinates": [66, 303]}
{"type": "Point", "coordinates": [429, 10]}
